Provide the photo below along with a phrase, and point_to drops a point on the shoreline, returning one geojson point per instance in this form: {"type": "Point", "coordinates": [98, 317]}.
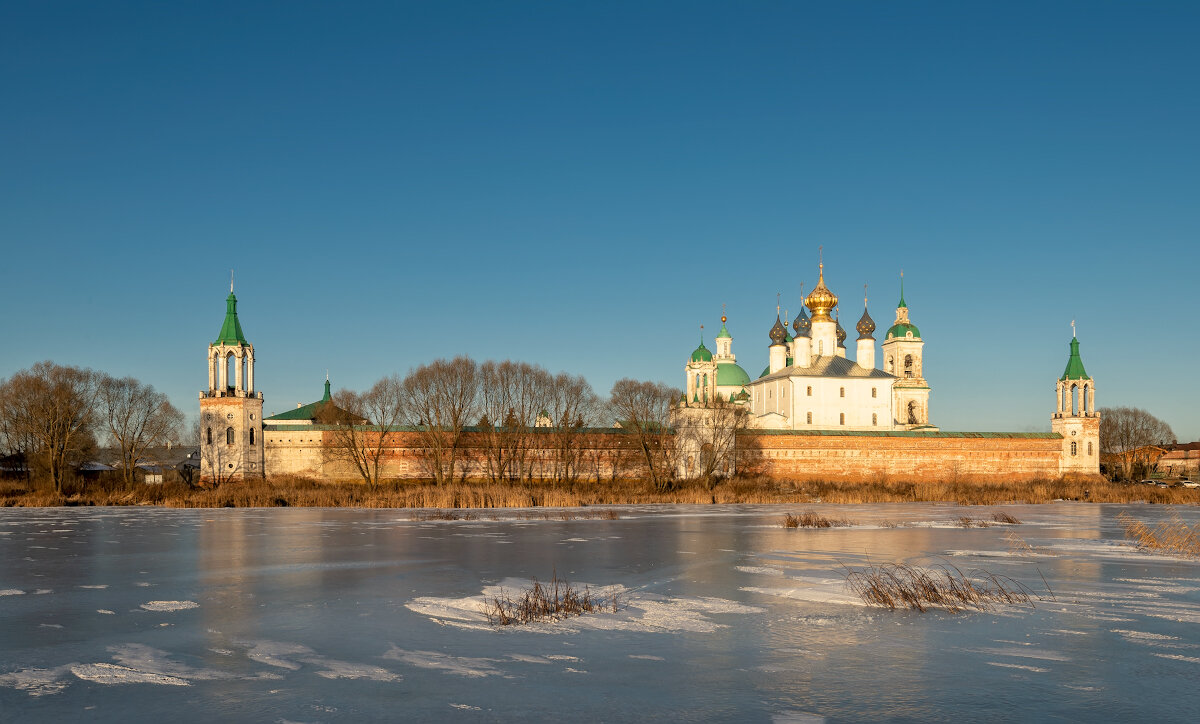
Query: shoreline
{"type": "Point", "coordinates": [302, 492]}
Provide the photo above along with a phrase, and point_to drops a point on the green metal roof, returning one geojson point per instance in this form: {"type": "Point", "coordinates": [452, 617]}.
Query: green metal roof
{"type": "Point", "coordinates": [724, 333]}
{"type": "Point", "coordinates": [902, 330]}
{"type": "Point", "coordinates": [306, 412]}
{"type": "Point", "coordinates": [231, 330]}
{"type": "Point", "coordinates": [729, 373]}
{"type": "Point", "coordinates": [702, 354]}
{"type": "Point", "coordinates": [1074, 369]}
{"type": "Point", "coordinates": [910, 433]}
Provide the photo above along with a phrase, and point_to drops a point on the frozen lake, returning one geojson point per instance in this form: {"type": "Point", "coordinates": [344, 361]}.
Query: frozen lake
{"type": "Point", "coordinates": [309, 615]}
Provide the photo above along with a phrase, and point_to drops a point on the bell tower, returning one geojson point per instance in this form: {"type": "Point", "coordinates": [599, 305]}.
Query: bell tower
{"type": "Point", "coordinates": [231, 444]}
{"type": "Point", "coordinates": [903, 358]}
{"type": "Point", "coordinates": [1075, 416]}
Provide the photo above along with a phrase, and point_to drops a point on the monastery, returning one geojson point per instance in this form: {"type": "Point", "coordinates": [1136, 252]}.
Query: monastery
{"type": "Point", "coordinates": [813, 414]}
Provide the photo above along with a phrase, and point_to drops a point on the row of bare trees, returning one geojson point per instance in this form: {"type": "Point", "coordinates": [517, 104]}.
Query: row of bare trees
{"type": "Point", "coordinates": [52, 416]}
{"type": "Point", "coordinates": [1126, 432]}
{"type": "Point", "coordinates": [525, 423]}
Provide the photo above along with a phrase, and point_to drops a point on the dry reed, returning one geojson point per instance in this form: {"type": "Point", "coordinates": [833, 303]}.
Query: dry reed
{"type": "Point", "coordinates": [281, 491]}
{"type": "Point", "coordinates": [539, 603]}
{"type": "Point", "coordinates": [809, 519]}
{"type": "Point", "coordinates": [1170, 536]}
{"type": "Point", "coordinates": [898, 585]}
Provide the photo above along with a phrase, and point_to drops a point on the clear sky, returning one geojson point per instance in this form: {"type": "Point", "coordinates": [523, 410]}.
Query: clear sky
{"type": "Point", "coordinates": [582, 185]}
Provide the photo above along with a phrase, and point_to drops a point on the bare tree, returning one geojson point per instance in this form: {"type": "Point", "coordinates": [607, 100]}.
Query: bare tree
{"type": "Point", "coordinates": [136, 418]}
{"type": "Point", "coordinates": [513, 397]}
{"type": "Point", "coordinates": [354, 440]}
{"type": "Point", "coordinates": [440, 398]}
{"type": "Point", "coordinates": [1125, 430]}
{"type": "Point", "coordinates": [571, 408]}
{"type": "Point", "coordinates": [644, 410]}
{"type": "Point", "coordinates": [709, 435]}
{"type": "Point", "coordinates": [52, 408]}
{"type": "Point", "coordinates": [218, 455]}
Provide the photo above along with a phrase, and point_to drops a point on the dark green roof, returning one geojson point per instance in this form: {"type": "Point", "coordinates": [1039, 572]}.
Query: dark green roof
{"type": "Point", "coordinates": [231, 330]}
{"type": "Point", "coordinates": [1074, 369]}
{"type": "Point", "coordinates": [306, 412]}
{"type": "Point", "coordinates": [901, 330]}
{"type": "Point", "coordinates": [702, 354]}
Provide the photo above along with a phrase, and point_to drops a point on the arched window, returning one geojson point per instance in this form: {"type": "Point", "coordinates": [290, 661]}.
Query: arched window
{"type": "Point", "coordinates": [810, 391]}
{"type": "Point", "coordinates": [842, 418]}
{"type": "Point", "coordinates": [912, 413]}
{"type": "Point", "coordinates": [229, 436]}
{"type": "Point", "coordinates": [208, 437]}
{"type": "Point", "coordinates": [1074, 448]}
{"type": "Point", "coordinates": [891, 365]}
{"type": "Point", "coordinates": [873, 392]}
{"type": "Point", "coordinates": [908, 365]}
{"type": "Point", "coordinates": [810, 418]}
{"type": "Point", "coordinates": [251, 436]}
{"type": "Point", "coordinates": [1089, 448]}
{"type": "Point", "coordinates": [874, 419]}
{"type": "Point", "coordinates": [841, 392]}
{"type": "Point", "coordinates": [1075, 399]}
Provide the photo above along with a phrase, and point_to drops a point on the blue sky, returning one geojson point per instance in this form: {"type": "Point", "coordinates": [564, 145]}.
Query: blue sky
{"type": "Point", "coordinates": [581, 185]}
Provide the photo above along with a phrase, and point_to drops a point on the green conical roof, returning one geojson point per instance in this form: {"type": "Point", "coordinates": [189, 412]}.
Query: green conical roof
{"type": "Point", "coordinates": [329, 397]}
{"type": "Point", "coordinates": [902, 304]}
{"type": "Point", "coordinates": [231, 330]}
{"type": "Point", "coordinates": [724, 333]}
{"type": "Point", "coordinates": [1074, 369]}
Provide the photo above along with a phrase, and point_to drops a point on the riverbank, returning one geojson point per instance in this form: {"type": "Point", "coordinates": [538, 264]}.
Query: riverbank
{"type": "Point", "coordinates": [302, 492]}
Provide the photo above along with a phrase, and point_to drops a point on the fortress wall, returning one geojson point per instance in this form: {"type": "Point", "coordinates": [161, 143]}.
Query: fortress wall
{"type": "Point", "coordinates": [295, 450]}
{"type": "Point", "coordinates": [949, 457]}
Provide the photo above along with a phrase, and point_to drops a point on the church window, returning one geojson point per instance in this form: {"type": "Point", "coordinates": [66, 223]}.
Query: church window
{"type": "Point", "coordinates": [873, 392]}
{"type": "Point", "coordinates": [208, 437]}
{"type": "Point", "coordinates": [251, 436]}
{"type": "Point", "coordinates": [874, 418]}
{"type": "Point", "coordinates": [810, 391]}
{"type": "Point", "coordinates": [912, 413]}
{"type": "Point", "coordinates": [842, 418]}
{"type": "Point", "coordinates": [229, 436]}
{"type": "Point", "coordinates": [841, 392]}
{"type": "Point", "coordinates": [1089, 448]}
{"type": "Point", "coordinates": [1074, 448]}
{"type": "Point", "coordinates": [908, 365]}
{"type": "Point", "coordinates": [810, 418]}
{"type": "Point", "coordinates": [891, 365]}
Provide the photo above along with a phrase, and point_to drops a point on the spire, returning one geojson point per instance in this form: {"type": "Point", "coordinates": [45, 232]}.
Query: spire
{"type": "Point", "coordinates": [231, 330]}
{"type": "Point", "coordinates": [1074, 369]}
{"type": "Point", "coordinates": [865, 325]}
{"type": "Point", "coordinates": [778, 334]}
{"type": "Point", "coordinates": [902, 304]}
{"type": "Point", "coordinates": [801, 323]}
{"type": "Point", "coordinates": [327, 396]}
{"type": "Point", "coordinates": [724, 333]}
{"type": "Point", "coordinates": [821, 300]}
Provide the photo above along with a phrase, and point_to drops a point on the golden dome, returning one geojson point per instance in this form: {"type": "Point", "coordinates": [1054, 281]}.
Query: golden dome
{"type": "Point", "coordinates": [821, 300]}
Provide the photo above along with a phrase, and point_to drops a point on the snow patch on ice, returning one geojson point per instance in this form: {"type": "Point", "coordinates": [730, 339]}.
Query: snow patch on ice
{"type": "Point", "coordinates": [106, 612]}
{"type": "Point", "coordinates": [647, 657]}
{"type": "Point", "coordinates": [102, 673]}
{"type": "Point", "coordinates": [333, 669]}
{"type": "Point", "coordinates": [169, 605]}
{"type": "Point", "coordinates": [760, 570]}
{"type": "Point", "coordinates": [12, 592]}
{"type": "Point", "coordinates": [458, 665]}
{"type": "Point", "coordinates": [1143, 635]}
{"type": "Point", "coordinates": [1023, 667]}
{"type": "Point", "coordinates": [1023, 653]}
{"type": "Point", "coordinates": [466, 707]}
{"type": "Point", "coordinates": [1178, 657]}
{"type": "Point", "coordinates": [38, 682]}
{"type": "Point", "coordinates": [96, 587]}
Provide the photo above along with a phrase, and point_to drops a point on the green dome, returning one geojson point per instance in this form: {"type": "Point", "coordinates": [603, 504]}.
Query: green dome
{"type": "Point", "coordinates": [702, 354]}
{"type": "Point", "coordinates": [901, 331]}
{"type": "Point", "coordinates": [766, 371]}
{"type": "Point", "coordinates": [729, 373]}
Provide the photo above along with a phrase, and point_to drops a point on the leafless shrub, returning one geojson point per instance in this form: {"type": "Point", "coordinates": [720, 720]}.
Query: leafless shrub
{"type": "Point", "coordinates": [898, 585]}
{"type": "Point", "coordinates": [444, 515]}
{"type": "Point", "coordinates": [965, 522]}
{"type": "Point", "coordinates": [1002, 517]}
{"type": "Point", "coordinates": [810, 519]}
{"type": "Point", "coordinates": [1170, 536]}
{"type": "Point", "coordinates": [553, 601]}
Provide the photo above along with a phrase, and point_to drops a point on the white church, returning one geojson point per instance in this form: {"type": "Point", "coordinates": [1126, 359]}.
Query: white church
{"type": "Point", "coordinates": [811, 384]}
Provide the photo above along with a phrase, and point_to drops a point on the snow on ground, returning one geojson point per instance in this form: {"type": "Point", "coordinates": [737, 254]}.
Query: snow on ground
{"type": "Point", "coordinates": [169, 605]}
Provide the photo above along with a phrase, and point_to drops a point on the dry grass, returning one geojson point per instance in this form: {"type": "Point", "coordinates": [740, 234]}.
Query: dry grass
{"type": "Point", "coordinates": [282, 491]}
{"type": "Point", "coordinates": [1001, 517]}
{"type": "Point", "coordinates": [539, 603]}
{"type": "Point", "coordinates": [1170, 536]}
{"type": "Point", "coordinates": [897, 585]}
{"type": "Point", "coordinates": [809, 519]}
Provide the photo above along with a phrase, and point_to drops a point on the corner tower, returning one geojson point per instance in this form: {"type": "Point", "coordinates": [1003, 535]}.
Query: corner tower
{"type": "Point", "coordinates": [231, 445]}
{"type": "Point", "coordinates": [1075, 416]}
{"type": "Point", "coordinates": [903, 358]}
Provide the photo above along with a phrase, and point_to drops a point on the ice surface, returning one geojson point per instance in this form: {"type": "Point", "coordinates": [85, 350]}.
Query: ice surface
{"type": "Point", "coordinates": [724, 615]}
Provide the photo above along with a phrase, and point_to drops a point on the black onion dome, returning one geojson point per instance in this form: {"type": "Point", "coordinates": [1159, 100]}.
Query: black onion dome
{"type": "Point", "coordinates": [778, 332]}
{"type": "Point", "coordinates": [865, 326]}
{"type": "Point", "coordinates": [802, 324]}
{"type": "Point", "coordinates": [841, 334]}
